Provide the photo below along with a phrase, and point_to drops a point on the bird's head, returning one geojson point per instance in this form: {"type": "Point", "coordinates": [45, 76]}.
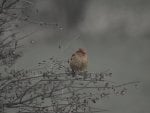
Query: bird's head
{"type": "Point", "coordinates": [81, 50]}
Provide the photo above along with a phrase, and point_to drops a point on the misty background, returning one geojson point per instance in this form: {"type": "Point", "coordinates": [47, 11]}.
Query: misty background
{"type": "Point", "coordinates": [116, 34]}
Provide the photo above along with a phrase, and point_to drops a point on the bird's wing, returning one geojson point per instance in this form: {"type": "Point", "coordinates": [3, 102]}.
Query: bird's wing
{"type": "Point", "coordinates": [73, 55]}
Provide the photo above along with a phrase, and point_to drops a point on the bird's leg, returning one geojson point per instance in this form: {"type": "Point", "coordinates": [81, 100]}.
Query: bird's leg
{"type": "Point", "coordinates": [85, 74]}
{"type": "Point", "coordinates": [73, 73]}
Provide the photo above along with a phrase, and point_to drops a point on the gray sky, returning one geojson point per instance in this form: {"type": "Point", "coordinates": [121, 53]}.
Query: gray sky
{"type": "Point", "coordinates": [116, 34]}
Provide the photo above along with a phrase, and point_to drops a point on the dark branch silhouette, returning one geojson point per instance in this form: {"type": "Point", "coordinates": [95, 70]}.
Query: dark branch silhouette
{"type": "Point", "coordinates": [57, 90]}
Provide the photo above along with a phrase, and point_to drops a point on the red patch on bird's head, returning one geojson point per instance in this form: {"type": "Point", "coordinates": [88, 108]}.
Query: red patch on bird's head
{"type": "Point", "coordinates": [81, 50]}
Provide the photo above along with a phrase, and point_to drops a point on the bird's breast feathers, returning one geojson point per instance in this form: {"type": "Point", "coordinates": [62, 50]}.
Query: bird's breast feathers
{"type": "Point", "coordinates": [78, 62]}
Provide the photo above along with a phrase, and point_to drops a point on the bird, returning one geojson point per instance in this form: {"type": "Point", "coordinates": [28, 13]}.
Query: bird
{"type": "Point", "coordinates": [79, 61]}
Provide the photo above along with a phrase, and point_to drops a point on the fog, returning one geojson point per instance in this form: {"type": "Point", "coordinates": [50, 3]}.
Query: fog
{"type": "Point", "coordinates": [116, 34]}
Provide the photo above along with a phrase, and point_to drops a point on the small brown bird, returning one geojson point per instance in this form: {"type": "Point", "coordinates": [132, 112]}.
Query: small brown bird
{"type": "Point", "coordinates": [79, 61]}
